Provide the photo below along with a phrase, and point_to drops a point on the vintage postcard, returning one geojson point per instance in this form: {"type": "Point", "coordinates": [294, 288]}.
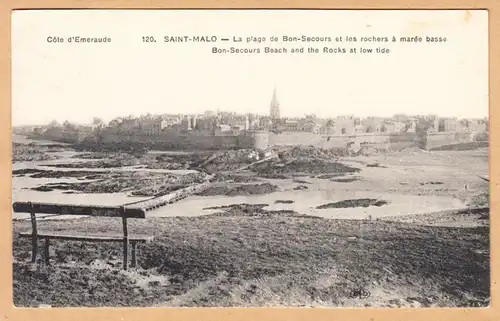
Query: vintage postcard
{"type": "Point", "coordinates": [250, 158]}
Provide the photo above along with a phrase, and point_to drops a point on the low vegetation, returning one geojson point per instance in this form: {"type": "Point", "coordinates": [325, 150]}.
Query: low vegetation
{"type": "Point", "coordinates": [247, 256]}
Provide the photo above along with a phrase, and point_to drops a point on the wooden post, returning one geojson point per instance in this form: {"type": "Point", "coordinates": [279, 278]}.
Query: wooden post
{"type": "Point", "coordinates": [34, 234]}
{"type": "Point", "coordinates": [134, 250]}
{"type": "Point", "coordinates": [125, 239]}
{"type": "Point", "coordinates": [46, 251]}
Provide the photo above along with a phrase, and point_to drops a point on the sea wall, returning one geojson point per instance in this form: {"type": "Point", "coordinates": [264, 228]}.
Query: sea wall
{"type": "Point", "coordinates": [305, 139]}
{"type": "Point", "coordinates": [436, 140]}
{"type": "Point", "coordinates": [175, 141]}
{"type": "Point", "coordinates": [400, 141]}
{"type": "Point", "coordinates": [381, 142]}
{"type": "Point", "coordinates": [262, 140]}
{"type": "Point", "coordinates": [361, 140]}
{"type": "Point", "coordinates": [193, 141]}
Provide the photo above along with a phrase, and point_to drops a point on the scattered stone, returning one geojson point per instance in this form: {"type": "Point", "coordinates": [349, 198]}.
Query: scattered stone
{"type": "Point", "coordinates": [361, 202]}
{"type": "Point", "coordinates": [431, 183]}
{"type": "Point", "coordinates": [243, 189]}
{"type": "Point", "coordinates": [222, 177]}
{"type": "Point", "coordinates": [94, 155]}
{"type": "Point", "coordinates": [375, 165]}
{"type": "Point", "coordinates": [32, 152]}
{"type": "Point", "coordinates": [300, 181]}
{"type": "Point", "coordinates": [345, 180]}
{"type": "Point", "coordinates": [284, 202]}
{"type": "Point", "coordinates": [42, 188]}
{"type": "Point", "coordinates": [254, 210]}
{"type": "Point", "coordinates": [303, 165]}
{"type": "Point", "coordinates": [140, 184]}
{"type": "Point", "coordinates": [329, 176]}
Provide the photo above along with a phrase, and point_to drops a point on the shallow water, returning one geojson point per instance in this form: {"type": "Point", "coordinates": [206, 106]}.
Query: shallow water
{"type": "Point", "coordinates": [305, 202]}
{"type": "Point", "coordinates": [319, 192]}
{"type": "Point", "coordinates": [67, 157]}
{"type": "Point", "coordinates": [21, 192]}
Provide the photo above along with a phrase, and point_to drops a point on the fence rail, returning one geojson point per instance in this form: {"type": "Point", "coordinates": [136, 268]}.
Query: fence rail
{"type": "Point", "coordinates": [89, 210]}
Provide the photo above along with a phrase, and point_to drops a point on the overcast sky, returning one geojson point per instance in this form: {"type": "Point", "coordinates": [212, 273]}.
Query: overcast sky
{"type": "Point", "coordinates": [78, 81]}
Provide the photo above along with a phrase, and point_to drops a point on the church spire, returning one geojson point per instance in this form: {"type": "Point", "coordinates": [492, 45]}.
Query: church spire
{"type": "Point", "coordinates": [275, 106]}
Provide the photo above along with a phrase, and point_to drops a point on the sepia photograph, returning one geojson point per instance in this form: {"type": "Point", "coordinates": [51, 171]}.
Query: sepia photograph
{"type": "Point", "coordinates": [250, 158]}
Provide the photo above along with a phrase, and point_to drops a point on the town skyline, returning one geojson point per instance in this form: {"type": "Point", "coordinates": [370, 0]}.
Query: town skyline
{"type": "Point", "coordinates": [275, 110]}
{"type": "Point", "coordinates": [283, 116]}
{"type": "Point", "coordinates": [164, 127]}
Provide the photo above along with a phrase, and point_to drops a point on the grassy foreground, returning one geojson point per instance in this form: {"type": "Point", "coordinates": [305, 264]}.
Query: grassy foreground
{"type": "Point", "coordinates": [261, 259]}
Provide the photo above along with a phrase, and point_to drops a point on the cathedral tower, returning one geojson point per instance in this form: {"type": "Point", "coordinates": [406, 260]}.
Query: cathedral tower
{"type": "Point", "coordinates": [275, 107]}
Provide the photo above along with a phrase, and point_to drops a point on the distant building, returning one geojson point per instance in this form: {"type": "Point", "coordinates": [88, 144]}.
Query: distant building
{"type": "Point", "coordinates": [129, 125]}
{"type": "Point", "coordinates": [23, 130]}
{"type": "Point", "coordinates": [310, 125]}
{"type": "Point", "coordinates": [239, 121]}
{"type": "Point", "coordinates": [253, 121]}
{"type": "Point", "coordinates": [222, 129]}
{"type": "Point", "coordinates": [411, 126]}
{"type": "Point", "coordinates": [436, 125]}
{"type": "Point", "coordinates": [328, 128]}
{"type": "Point", "coordinates": [464, 125]}
{"type": "Point", "coordinates": [186, 123]}
{"type": "Point", "coordinates": [274, 112]}
{"type": "Point", "coordinates": [399, 126]}
{"type": "Point", "coordinates": [344, 125]}
{"type": "Point", "coordinates": [359, 129]}
{"type": "Point", "coordinates": [265, 122]}
{"type": "Point", "coordinates": [478, 125]}
{"type": "Point", "coordinates": [448, 125]}
{"type": "Point", "coordinates": [238, 128]}
{"type": "Point", "coordinates": [371, 124]}
{"type": "Point", "coordinates": [380, 128]}
{"type": "Point", "coordinates": [38, 130]}
{"type": "Point", "coordinates": [386, 127]}
{"type": "Point", "coordinates": [292, 126]}
{"type": "Point", "coordinates": [278, 124]}
{"type": "Point", "coordinates": [153, 127]}
{"type": "Point", "coordinates": [171, 119]}
{"type": "Point", "coordinates": [206, 124]}
{"type": "Point", "coordinates": [173, 129]}
{"type": "Point", "coordinates": [193, 121]}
